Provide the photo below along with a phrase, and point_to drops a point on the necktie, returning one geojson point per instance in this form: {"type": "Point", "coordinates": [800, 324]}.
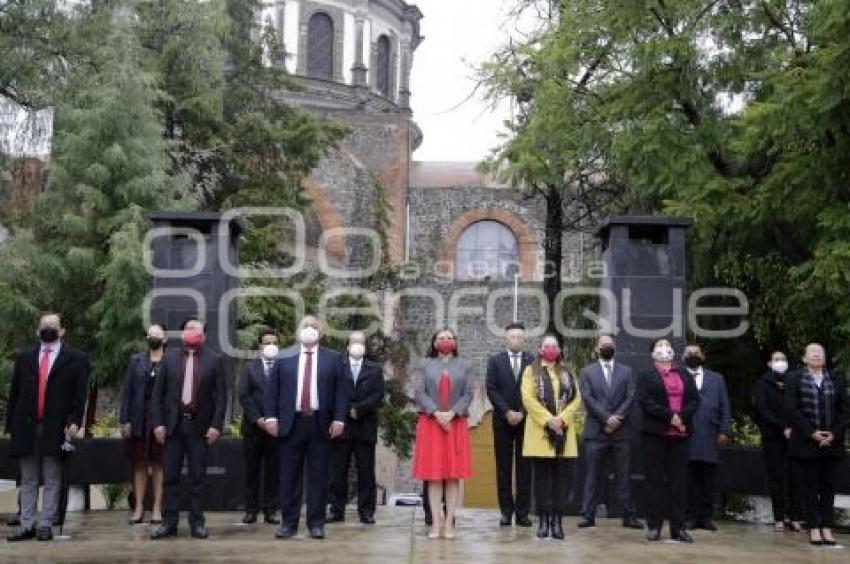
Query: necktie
{"type": "Point", "coordinates": [307, 383]}
{"type": "Point", "coordinates": [188, 379]}
{"type": "Point", "coordinates": [515, 365]}
{"type": "Point", "coordinates": [268, 367]}
{"type": "Point", "coordinates": [43, 371]}
{"type": "Point", "coordinates": [606, 369]}
{"type": "Point", "coordinates": [355, 371]}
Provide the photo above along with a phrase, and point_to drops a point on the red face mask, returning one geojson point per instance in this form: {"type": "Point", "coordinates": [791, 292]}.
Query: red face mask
{"type": "Point", "coordinates": [550, 353]}
{"type": "Point", "coordinates": [193, 338]}
{"type": "Point", "coordinates": [445, 346]}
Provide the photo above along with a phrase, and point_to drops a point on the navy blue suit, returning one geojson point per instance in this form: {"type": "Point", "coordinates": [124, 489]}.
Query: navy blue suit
{"type": "Point", "coordinates": [305, 437]}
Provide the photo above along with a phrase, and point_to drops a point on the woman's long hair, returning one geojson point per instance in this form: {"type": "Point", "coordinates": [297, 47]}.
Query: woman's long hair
{"type": "Point", "coordinates": [432, 349]}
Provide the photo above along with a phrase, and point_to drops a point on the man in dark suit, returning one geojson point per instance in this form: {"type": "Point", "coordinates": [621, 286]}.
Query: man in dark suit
{"type": "Point", "coordinates": [504, 374]}
{"type": "Point", "coordinates": [365, 381]}
{"type": "Point", "coordinates": [261, 456]}
{"type": "Point", "coordinates": [187, 409]}
{"type": "Point", "coordinates": [306, 407]}
{"type": "Point", "coordinates": [711, 428]}
{"type": "Point", "coordinates": [47, 399]}
{"type": "Point", "coordinates": [608, 393]}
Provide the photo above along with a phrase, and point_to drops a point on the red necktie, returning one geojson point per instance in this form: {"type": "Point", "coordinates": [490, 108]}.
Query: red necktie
{"type": "Point", "coordinates": [307, 383]}
{"type": "Point", "coordinates": [43, 371]}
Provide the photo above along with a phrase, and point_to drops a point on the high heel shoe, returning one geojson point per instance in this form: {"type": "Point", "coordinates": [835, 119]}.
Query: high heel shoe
{"type": "Point", "coordinates": [827, 541]}
{"type": "Point", "coordinates": [815, 541]}
{"type": "Point", "coordinates": [138, 521]}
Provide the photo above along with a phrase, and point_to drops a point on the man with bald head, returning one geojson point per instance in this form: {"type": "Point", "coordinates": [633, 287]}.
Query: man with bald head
{"type": "Point", "coordinates": [365, 386]}
{"type": "Point", "coordinates": [306, 404]}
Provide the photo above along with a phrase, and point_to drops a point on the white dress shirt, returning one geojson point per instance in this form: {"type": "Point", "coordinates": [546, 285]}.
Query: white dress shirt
{"type": "Point", "coordinates": [697, 374]}
{"type": "Point", "coordinates": [607, 368]}
{"type": "Point", "coordinates": [356, 366]}
{"type": "Point", "coordinates": [314, 386]}
{"type": "Point", "coordinates": [54, 353]}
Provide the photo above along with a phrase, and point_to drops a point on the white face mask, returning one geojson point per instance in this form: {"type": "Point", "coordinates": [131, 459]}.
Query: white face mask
{"type": "Point", "coordinates": [270, 352]}
{"type": "Point", "coordinates": [779, 366]}
{"type": "Point", "coordinates": [357, 350]}
{"type": "Point", "coordinates": [309, 335]}
{"type": "Point", "coordinates": [663, 354]}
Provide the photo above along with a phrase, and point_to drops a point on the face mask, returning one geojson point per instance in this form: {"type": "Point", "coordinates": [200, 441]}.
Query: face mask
{"type": "Point", "coordinates": [155, 343]}
{"type": "Point", "coordinates": [193, 338]}
{"type": "Point", "coordinates": [270, 352]}
{"type": "Point", "coordinates": [779, 366]}
{"type": "Point", "coordinates": [550, 353]}
{"type": "Point", "coordinates": [357, 350]}
{"type": "Point", "coordinates": [606, 353]}
{"type": "Point", "coordinates": [309, 335]}
{"type": "Point", "coordinates": [663, 354]}
{"type": "Point", "coordinates": [49, 335]}
{"type": "Point", "coordinates": [693, 361]}
{"type": "Point", "coordinates": [445, 346]}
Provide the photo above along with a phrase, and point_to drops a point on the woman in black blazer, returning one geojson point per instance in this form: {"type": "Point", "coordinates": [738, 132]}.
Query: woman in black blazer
{"type": "Point", "coordinates": [819, 411]}
{"type": "Point", "coordinates": [136, 425]}
{"type": "Point", "coordinates": [668, 398]}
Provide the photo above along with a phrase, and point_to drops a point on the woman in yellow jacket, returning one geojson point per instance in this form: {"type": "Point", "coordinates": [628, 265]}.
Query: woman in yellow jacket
{"type": "Point", "coordinates": [551, 397]}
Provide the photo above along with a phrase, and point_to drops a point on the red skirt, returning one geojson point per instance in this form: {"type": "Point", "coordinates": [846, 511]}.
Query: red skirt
{"type": "Point", "coordinates": [441, 455]}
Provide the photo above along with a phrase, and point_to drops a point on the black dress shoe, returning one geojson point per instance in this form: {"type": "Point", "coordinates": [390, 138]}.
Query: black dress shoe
{"type": "Point", "coordinates": [45, 534]}
{"type": "Point", "coordinates": [367, 520]}
{"type": "Point", "coordinates": [524, 521]}
{"type": "Point", "coordinates": [543, 527]}
{"type": "Point", "coordinates": [199, 532]}
{"type": "Point", "coordinates": [586, 523]}
{"type": "Point", "coordinates": [249, 517]}
{"type": "Point", "coordinates": [284, 532]}
{"type": "Point", "coordinates": [14, 521]}
{"type": "Point", "coordinates": [505, 520]}
{"type": "Point", "coordinates": [632, 523]}
{"type": "Point", "coordinates": [164, 532]}
{"type": "Point", "coordinates": [317, 533]}
{"type": "Point", "coordinates": [682, 535]}
{"type": "Point", "coordinates": [271, 518]}
{"type": "Point", "coordinates": [707, 526]}
{"type": "Point", "coordinates": [653, 535]}
{"type": "Point", "coordinates": [557, 527]}
{"type": "Point", "coordinates": [336, 518]}
{"type": "Point", "coordinates": [22, 535]}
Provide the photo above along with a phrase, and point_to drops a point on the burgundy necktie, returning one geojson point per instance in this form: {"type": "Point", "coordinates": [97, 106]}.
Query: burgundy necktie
{"type": "Point", "coordinates": [307, 383]}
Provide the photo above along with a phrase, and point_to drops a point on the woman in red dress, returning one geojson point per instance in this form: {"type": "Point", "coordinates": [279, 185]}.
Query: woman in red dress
{"type": "Point", "coordinates": [441, 458]}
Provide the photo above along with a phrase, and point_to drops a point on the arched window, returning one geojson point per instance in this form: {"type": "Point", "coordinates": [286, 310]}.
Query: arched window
{"type": "Point", "coordinates": [320, 46]}
{"type": "Point", "coordinates": [487, 250]}
{"type": "Point", "coordinates": [383, 66]}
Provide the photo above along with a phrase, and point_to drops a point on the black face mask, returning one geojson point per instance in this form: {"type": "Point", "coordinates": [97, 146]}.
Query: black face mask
{"type": "Point", "coordinates": [48, 335]}
{"type": "Point", "coordinates": [606, 353]}
{"type": "Point", "coordinates": [155, 343]}
{"type": "Point", "coordinates": [693, 361]}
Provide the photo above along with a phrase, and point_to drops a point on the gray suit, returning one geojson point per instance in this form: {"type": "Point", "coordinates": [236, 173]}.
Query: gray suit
{"type": "Point", "coordinates": [426, 377]}
{"type": "Point", "coordinates": [601, 401]}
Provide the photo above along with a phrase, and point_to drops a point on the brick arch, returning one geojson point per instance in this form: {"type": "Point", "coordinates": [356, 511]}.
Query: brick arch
{"type": "Point", "coordinates": [525, 239]}
{"type": "Point", "coordinates": [328, 216]}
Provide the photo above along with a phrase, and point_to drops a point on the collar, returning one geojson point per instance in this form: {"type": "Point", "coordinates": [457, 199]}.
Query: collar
{"type": "Point", "coordinates": [312, 350]}
{"type": "Point", "coordinates": [352, 360]}
{"type": "Point", "coordinates": [54, 347]}
{"type": "Point", "coordinates": [698, 371]}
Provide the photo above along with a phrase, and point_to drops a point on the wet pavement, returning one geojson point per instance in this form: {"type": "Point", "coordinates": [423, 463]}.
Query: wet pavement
{"type": "Point", "coordinates": [400, 536]}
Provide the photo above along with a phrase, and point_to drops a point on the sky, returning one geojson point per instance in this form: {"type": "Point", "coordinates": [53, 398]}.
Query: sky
{"type": "Point", "coordinates": [459, 35]}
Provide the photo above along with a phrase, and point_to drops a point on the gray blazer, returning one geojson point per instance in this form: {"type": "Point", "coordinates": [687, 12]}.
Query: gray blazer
{"type": "Point", "coordinates": [712, 418]}
{"type": "Point", "coordinates": [602, 401]}
{"type": "Point", "coordinates": [426, 377]}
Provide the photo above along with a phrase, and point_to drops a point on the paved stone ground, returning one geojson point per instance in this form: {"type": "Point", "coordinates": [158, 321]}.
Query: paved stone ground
{"type": "Point", "coordinates": [400, 536]}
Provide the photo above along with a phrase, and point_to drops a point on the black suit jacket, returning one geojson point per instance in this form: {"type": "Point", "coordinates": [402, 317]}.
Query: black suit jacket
{"type": "Point", "coordinates": [366, 397]}
{"type": "Point", "coordinates": [601, 401]}
{"type": "Point", "coordinates": [801, 444]}
{"type": "Point", "coordinates": [283, 387]}
{"type": "Point", "coordinates": [211, 395]}
{"type": "Point", "coordinates": [132, 408]}
{"type": "Point", "coordinates": [64, 404]}
{"type": "Point", "coordinates": [252, 395]}
{"type": "Point", "coordinates": [502, 388]}
{"type": "Point", "coordinates": [652, 396]}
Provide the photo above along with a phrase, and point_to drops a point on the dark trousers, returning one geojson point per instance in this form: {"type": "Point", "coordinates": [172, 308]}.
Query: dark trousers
{"type": "Point", "coordinates": [595, 456]}
{"type": "Point", "coordinates": [305, 444]}
{"type": "Point", "coordinates": [552, 484]}
{"type": "Point", "coordinates": [666, 471]}
{"type": "Point", "coordinates": [701, 487]}
{"type": "Point", "coordinates": [185, 442]}
{"type": "Point", "coordinates": [507, 444]}
{"type": "Point", "coordinates": [783, 496]}
{"type": "Point", "coordinates": [367, 492]}
{"type": "Point", "coordinates": [261, 467]}
{"type": "Point", "coordinates": [816, 477]}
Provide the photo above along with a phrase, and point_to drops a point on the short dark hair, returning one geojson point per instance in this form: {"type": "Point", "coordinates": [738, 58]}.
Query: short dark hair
{"type": "Point", "coordinates": [45, 313]}
{"type": "Point", "coordinates": [605, 334]}
{"type": "Point", "coordinates": [655, 342]}
{"type": "Point", "coordinates": [160, 325]}
{"type": "Point", "coordinates": [514, 325]}
{"type": "Point", "coordinates": [265, 330]}
{"type": "Point", "coordinates": [432, 350]}
{"type": "Point", "coordinates": [193, 318]}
